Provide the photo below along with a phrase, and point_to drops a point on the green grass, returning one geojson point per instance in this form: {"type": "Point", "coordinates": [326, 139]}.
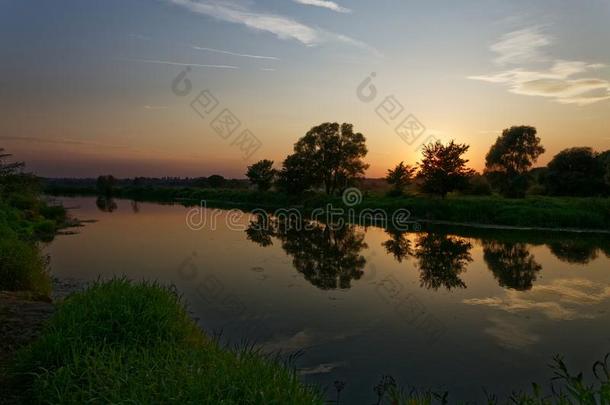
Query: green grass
{"type": "Point", "coordinates": [121, 342]}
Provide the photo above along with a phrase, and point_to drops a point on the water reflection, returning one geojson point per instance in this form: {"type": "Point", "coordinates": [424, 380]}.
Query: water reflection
{"type": "Point", "coordinates": [399, 246]}
{"type": "Point", "coordinates": [574, 251]}
{"type": "Point", "coordinates": [441, 260]}
{"type": "Point", "coordinates": [106, 204]}
{"type": "Point", "coordinates": [511, 264]}
{"type": "Point", "coordinates": [328, 257]}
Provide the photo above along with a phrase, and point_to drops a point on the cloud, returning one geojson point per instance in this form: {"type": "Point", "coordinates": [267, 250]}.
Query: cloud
{"type": "Point", "coordinates": [563, 299]}
{"type": "Point", "coordinates": [323, 368]}
{"type": "Point", "coordinates": [331, 5]}
{"type": "Point", "coordinates": [557, 83]}
{"type": "Point", "coordinates": [155, 107]}
{"type": "Point", "coordinates": [563, 81]}
{"type": "Point", "coordinates": [244, 55]}
{"type": "Point", "coordinates": [521, 46]}
{"type": "Point", "coordinates": [167, 62]}
{"type": "Point", "coordinates": [281, 26]}
{"type": "Point", "coordinates": [509, 335]}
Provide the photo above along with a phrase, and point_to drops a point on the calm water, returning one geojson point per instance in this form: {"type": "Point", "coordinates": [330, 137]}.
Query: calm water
{"type": "Point", "coordinates": [452, 310]}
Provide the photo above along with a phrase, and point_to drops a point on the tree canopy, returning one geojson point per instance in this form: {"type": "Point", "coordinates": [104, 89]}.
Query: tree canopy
{"type": "Point", "coordinates": [261, 174]}
{"type": "Point", "coordinates": [443, 169]}
{"type": "Point", "coordinates": [575, 171]}
{"type": "Point", "coordinates": [329, 155]}
{"type": "Point", "coordinates": [510, 158]}
{"type": "Point", "coordinates": [400, 177]}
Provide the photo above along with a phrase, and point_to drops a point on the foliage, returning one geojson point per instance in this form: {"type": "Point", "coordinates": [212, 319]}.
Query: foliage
{"type": "Point", "coordinates": [400, 177]}
{"type": "Point", "coordinates": [120, 342]}
{"type": "Point", "coordinates": [296, 175]}
{"type": "Point", "coordinates": [25, 218]}
{"type": "Point", "coordinates": [216, 181]}
{"type": "Point", "coordinates": [329, 155]}
{"type": "Point", "coordinates": [575, 171]}
{"type": "Point", "coordinates": [478, 185]}
{"type": "Point", "coordinates": [510, 158]}
{"type": "Point", "coordinates": [261, 174]}
{"type": "Point", "coordinates": [443, 169]}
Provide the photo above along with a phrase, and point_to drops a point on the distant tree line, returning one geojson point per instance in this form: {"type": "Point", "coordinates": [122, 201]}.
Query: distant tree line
{"type": "Point", "coordinates": [330, 158]}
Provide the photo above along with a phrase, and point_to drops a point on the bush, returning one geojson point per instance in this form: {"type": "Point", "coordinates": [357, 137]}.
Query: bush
{"type": "Point", "coordinates": [120, 342]}
{"type": "Point", "coordinates": [21, 265]}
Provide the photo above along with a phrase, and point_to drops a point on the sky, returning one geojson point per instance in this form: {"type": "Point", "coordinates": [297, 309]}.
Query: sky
{"type": "Point", "coordinates": [201, 87]}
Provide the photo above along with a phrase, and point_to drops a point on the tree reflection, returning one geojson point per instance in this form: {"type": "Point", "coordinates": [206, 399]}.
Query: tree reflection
{"type": "Point", "coordinates": [328, 258]}
{"type": "Point", "coordinates": [398, 245]}
{"type": "Point", "coordinates": [574, 251]}
{"type": "Point", "coordinates": [106, 204]}
{"type": "Point", "coordinates": [442, 259]}
{"type": "Point", "coordinates": [511, 264]}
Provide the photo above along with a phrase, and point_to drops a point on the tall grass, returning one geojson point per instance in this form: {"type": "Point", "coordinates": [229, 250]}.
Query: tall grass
{"type": "Point", "coordinates": [120, 342]}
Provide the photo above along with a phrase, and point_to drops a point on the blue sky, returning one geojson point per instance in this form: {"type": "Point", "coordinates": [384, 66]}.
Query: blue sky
{"type": "Point", "coordinates": [86, 85]}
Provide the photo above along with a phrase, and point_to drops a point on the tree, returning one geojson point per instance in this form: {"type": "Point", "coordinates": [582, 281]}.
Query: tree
{"type": "Point", "coordinates": [509, 159]}
{"type": "Point", "coordinates": [8, 169]}
{"type": "Point", "coordinates": [399, 177]}
{"type": "Point", "coordinates": [216, 181]}
{"type": "Point", "coordinates": [105, 185]}
{"type": "Point", "coordinates": [295, 176]}
{"type": "Point", "coordinates": [442, 168]}
{"type": "Point", "coordinates": [332, 155]}
{"type": "Point", "coordinates": [575, 171]}
{"type": "Point", "coordinates": [262, 174]}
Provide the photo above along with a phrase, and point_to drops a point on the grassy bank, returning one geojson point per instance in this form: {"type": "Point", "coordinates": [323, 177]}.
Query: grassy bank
{"type": "Point", "coordinates": [534, 211]}
{"type": "Point", "coordinates": [24, 221]}
{"type": "Point", "coordinates": [120, 342]}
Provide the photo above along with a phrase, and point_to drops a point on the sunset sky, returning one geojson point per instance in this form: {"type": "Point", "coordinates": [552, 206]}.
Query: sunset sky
{"type": "Point", "coordinates": [86, 86]}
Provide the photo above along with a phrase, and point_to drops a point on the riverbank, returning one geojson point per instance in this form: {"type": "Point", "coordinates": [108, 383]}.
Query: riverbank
{"type": "Point", "coordinates": [534, 212]}
{"type": "Point", "coordinates": [120, 342]}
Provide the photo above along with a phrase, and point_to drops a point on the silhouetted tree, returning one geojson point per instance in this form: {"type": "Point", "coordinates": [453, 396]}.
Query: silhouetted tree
{"type": "Point", "coordinates": [8, 169]}
{"type": "Point", "coordinates": [105, 185]}
{"type": "Point", "coordinates": [295, 176]}
{"type": "Point", "coordinates": [443, 169]}
{"type": "Point", "coordinates": [262, 174]}
{"type": "Point", "coordinates": [603, 160]}
{"type": "Point", "coordinates": [575, 171]}
{"type": "Point", "coordinates": [441, 260]}
{"type": "Point", "coordinates": [216, 181]}
{"type": "Point", "coordinates": [398, 245]}
{"type": "Point", "coordinates": [511, 264]}
{"type": "Point", "coordinates": [509, 159]}
{"type": "Point", "coordinates": [478, 185]}
{"type": "Point", "coordinates": [399, 177]}
{"type": "Point", "coordinates": [331, 154]}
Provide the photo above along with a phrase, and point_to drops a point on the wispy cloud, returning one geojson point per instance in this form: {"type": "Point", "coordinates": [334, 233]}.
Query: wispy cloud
{"type": "Point", "coordinates": [62, 141]}
{"type": "Point", "coordinates": [563, 81]}
{"type": "Point", "coordinates": [521, 46]}
{"type": "Point", "coordinates": [562, 299]}
{"type": "Point", "coordinates": [167, 62]}
{"type": "Point", "coordinates": [331, 5]}
{"type": "Point", "coordinates": [280, 26]}
{"type": "Point", "coordinates": [155, 107]}
{"type": "Point", "coordinates": [244, 55]}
